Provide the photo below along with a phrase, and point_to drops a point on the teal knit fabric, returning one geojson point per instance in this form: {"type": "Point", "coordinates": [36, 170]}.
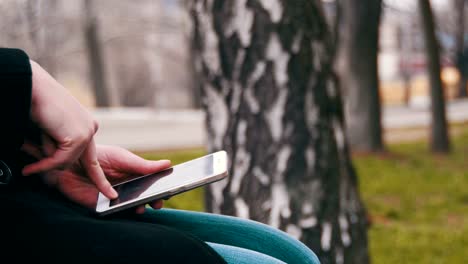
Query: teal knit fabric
{"type": "Point", "coordinates": [236, 238]}
{"type": "Point", "coordinates": [237, 255]}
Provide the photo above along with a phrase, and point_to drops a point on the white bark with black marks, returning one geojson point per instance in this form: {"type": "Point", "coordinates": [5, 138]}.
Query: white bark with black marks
{"type": "Point", "coordinates": [272, 103]}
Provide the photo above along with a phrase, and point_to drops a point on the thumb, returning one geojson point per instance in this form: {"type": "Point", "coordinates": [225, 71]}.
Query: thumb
{"type": "Point", "coordinates": [129, 163]}
{"type": "Point", "coordinates": [148, 166]}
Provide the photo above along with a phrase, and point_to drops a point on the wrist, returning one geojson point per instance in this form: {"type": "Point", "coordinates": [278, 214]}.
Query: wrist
{"type": "Point", "coordinates": [34, 81]}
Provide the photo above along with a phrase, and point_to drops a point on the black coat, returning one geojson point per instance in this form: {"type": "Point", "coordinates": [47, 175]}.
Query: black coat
{"type": "Point", "coordinates": [15, 105]}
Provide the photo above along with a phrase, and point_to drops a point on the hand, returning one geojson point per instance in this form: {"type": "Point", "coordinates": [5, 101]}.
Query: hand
{"type": "Point", "coordinates": [67, 125]}
{"type": "Point", "coordinates": [117, 163]}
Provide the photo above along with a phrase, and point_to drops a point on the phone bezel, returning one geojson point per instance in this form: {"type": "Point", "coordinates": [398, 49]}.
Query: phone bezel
{"type": "Point", "coordinates": [219, 172]}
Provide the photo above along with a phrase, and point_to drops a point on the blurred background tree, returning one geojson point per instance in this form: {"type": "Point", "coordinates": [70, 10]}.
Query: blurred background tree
{"type": "Point", "coordinates": [439, 140]}
{"type": "Point", "coordinates": [460, 53]}
{"type": "Point", "coordinates": [272, 102]}
{"type": "Point", "coordinates": [358, 28]}
{"type": "Point", "coordinates": [143, 48]}
{"type": "Point", "coordinates": [95, 56]}
{"type": "Point", "coordinates": [43, 39]}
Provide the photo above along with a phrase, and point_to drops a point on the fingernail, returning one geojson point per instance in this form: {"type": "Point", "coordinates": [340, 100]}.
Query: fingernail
{"type": "Point", "coordinates": [165, 161]}
{"type": "Point", "coordinates": [114, 193]}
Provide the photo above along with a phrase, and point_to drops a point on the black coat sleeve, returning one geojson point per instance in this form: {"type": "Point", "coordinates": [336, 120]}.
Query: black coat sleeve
{"type": "Point", "coordinates": [15, 101]}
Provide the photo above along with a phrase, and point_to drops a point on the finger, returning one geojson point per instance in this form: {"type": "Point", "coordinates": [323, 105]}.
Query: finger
{"type": "Point", "coordinates": [48, 145]}
{"type": "Point", "coordinates": [58, 158]}
{"type": "Point", "coordinates": [45, 164]}
{"type": "Point", "coordinates": [94, 171]}
{"type": "Point", "coordinates": [132, 164]}
{"type": "Point", "coordinates": [47, 148]}
{"type": "Point", "coordinates": [140, 209]}
{"type": "Point", "coordinates": [157, 204]}
{"type": "Point", "coordinates": [32, 150]}
{"type": "Point", "coordinates": [143, 167]}
{"type": "Point", "coordinates": [140, 166]}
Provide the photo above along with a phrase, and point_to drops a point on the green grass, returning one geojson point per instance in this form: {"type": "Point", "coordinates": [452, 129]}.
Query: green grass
{"type": "Point", "coordinates": [418, 202]}
{"type": "Point", "coordinates": [192, 200]}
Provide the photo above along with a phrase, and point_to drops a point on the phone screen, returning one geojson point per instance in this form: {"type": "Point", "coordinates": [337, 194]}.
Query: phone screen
{"type": "Point", "coordinates": [164, 180]}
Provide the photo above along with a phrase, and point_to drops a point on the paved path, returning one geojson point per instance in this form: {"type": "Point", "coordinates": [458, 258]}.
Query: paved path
{"type": "Point", "coordinates": [401, 117]}
{"type": "Point", "coordinates": [411, 123]}
{"type": "Point", "coordinates": [146, 130]}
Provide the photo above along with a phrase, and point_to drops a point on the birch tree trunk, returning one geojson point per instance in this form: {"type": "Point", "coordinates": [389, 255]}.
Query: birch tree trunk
{"type": "Point", "coordinates": [272, 103]}
{"type": "Point", "coordinates": [358, 71]}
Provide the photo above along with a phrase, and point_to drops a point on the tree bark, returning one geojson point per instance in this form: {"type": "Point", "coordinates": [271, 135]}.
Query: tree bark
{"type": "Point", "coordinates": [358, 72]}
{"type": "Point", "coordinates": [460, 57]}
{"type": "Point", "coordinates": [95, 57]}
{"type": "Point", "coordinates": [439, 140]}
{"type": "Point", "coordinates": [196, 85]}
{"type": "Point", "coordinates": [404, 49]}
{"type": "Point", "coordinates": [272, 102]}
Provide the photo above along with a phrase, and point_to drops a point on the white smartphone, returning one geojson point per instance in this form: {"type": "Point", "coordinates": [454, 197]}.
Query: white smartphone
{"type": "Point", "coordinates": [166, 183]}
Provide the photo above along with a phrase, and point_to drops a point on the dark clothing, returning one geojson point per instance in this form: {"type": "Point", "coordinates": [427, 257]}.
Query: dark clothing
{"type": "Point", "coordinates": [15, 101]}
{"type": "Point", "coordinates": [39, 224]}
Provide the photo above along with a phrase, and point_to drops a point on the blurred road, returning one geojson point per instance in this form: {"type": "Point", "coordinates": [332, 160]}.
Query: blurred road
{"type": "Point", "coordinates": [419, 116]}
{"type": "Point", "coordinates": [141, 129]}
{"type": "Point", "coordinates": [402, 123]}
{"type": "Point", "coordinates": [148, 130]}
